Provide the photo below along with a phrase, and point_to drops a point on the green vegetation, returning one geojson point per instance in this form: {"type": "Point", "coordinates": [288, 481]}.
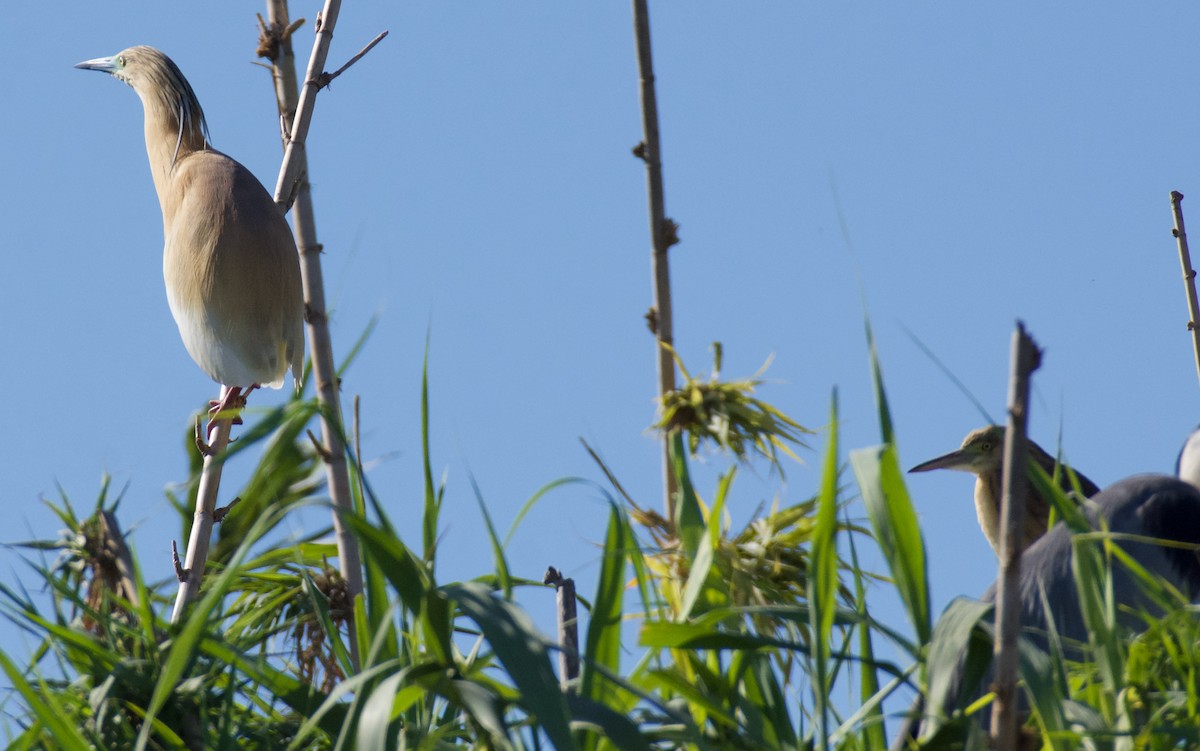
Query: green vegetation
{"type": "Point", "coordinates": [746, 638]}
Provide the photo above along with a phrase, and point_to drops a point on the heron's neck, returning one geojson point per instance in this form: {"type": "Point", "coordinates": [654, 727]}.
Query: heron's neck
{"type": "Point", "coordinates": [171, 134]}
{"type": "Point", "coordinates": [987, 506]}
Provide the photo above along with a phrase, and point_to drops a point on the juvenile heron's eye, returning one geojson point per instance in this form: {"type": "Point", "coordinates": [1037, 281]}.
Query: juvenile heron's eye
{"type": "Point", "coordinates": [121, 60]}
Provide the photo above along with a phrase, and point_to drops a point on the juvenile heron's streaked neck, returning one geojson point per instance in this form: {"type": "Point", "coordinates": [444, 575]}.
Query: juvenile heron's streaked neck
{"type": "Point", "coordinates": [987, 505]}
{"type": "Point", "coordinates": [982, 454]}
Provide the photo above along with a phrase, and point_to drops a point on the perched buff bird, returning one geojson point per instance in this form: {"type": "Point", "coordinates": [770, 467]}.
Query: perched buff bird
{"type": "Point", "coordinates": [229, 260]}
{"type": "Point", "coordinates": [982, 454]}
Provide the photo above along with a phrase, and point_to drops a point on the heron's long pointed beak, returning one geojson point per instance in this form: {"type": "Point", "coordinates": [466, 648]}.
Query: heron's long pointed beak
{"type": "Point", "coordinates": [960, 460]}
{"type": "Point", "coordinates": [102, 64]}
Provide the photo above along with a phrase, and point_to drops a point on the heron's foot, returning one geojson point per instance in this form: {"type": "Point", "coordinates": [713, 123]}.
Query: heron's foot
{"type": "Point", "coordinates": [203, 446]}
{"type": "Point", "coordinates": [233, 401]}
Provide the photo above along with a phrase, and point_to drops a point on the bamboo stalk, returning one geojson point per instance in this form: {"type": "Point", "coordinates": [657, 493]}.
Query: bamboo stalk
{"type": "Point", "coordinates": [203, 517]}
{"type": "Point", "coordinates": [1026, 357]}
{"type": "Point", "coordinates": [1189, 274]}
{"type": "Point", "coordinates": [662, 234]}
{"type": "Point", "coordinates": [292, 190]}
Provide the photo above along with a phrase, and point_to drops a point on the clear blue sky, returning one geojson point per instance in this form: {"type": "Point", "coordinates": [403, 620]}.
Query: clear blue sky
{"type": "Point", "coordinates": [473, 179]}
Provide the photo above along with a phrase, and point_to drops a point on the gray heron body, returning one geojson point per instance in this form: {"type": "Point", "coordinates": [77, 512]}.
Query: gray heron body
{"type": "Point", "coordinates": [1156, 507]}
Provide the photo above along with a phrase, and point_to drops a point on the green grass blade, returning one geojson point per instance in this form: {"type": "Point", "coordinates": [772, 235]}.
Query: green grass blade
{"type": "Point", "coordinates": [321, 608]}
{"type": "Point", "coordinates": [896, 529]}
{"type": "Point", "coordinates": [616, 726]}
{"type": "Point", "coordinates": [533, 500]}
{"type": "Point", "coordinates": [498, 558]}
{"type": "Point", "coordinates": [398, 565]}
{"type": "Point", "coordinates": [823, 581]}
{"type": "Point", "coordinates": [689, 520]}
{"type": "Point", "coordinates": [602, 645]}
{"type": "Point", "coordinates": [334, 703]}
{"type": "Point", "coordinates": [433, 506]}
{"type": "Point", "coordinates": [522, 651]}
{"type": "Point", "coordinates": [46, 708]}
{"type": "Point", "coordinates": [184, 645]}
{"type": "Point", "coordinates": [698, 582]}
{"type": "Point", "coordinates": [359, 343]}
{"type": "Point", "coordinates": [957, 651]}
{"type": "Point", "coordinates": [764, 704]}
{"type": "Point", "coordinates": [870, 713]}
{"type": "Point", "coordinates": [885, 414]}
{"type": "Point", "coordinates": [375, 722]}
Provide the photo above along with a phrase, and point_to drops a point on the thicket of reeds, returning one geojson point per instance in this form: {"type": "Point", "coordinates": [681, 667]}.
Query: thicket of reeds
{"type": "Point", "coordinates": [694, 634]}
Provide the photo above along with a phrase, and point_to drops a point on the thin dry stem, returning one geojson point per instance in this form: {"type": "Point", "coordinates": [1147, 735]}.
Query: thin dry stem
{"type": "Point", "coordinates": [327, 78]}
{"type": "Point", "coordinates": [1025, 359]}
{"type": "Point", "coordinates": [663, 233]}
{"type": "Point", "coordinates": [568, 627]}
{"type": "Point", "coordinates": [293, 185]}
{"type": "Point", "coordinates": [1189, 275]}
{"type": "Point", "coordinates": [294, 170]}
{"type": "Point", "coordinates": [202, 520]}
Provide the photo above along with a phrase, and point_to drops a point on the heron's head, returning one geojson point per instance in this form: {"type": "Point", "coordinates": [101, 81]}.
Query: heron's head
{"type": "Point", "coordinates": [159, 83]}
{"type": "Point", "coordinates": [141, 67]}
{"type": "Point", "coordinates": [982, 451]}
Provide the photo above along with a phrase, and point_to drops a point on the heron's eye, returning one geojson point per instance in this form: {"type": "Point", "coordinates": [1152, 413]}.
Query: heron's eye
{"type": "Point", "coordinates": [987, 446]}
{"type": "Point", "coordinates": [121, 60]}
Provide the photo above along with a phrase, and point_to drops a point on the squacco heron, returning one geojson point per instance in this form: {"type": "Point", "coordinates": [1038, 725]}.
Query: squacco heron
{"type": "Point", "coordinates": [229, 260]}
{"type": "Point", "coordinates": [982, 454]}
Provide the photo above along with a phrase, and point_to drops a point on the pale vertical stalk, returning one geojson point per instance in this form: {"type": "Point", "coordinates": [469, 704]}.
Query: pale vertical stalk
{"type": "Point", "coordinates": [293, 185]}
{"type": "Point", "coordinates": [662, 233]}
{"type": "Point", "coordinates": [1189, 274]}
{"type": "Point", "coordinates": [202, 519]}
{"type": "Point", "coordinates": [1025, 359]}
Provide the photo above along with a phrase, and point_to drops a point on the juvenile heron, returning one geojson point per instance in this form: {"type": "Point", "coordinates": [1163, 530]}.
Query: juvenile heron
{"type": "Point", "coordinates": [982, 454]}
{"type": "Point", "coordinates": [229, 260]}
{"type": "Point", "coordinates": [1138, 511]}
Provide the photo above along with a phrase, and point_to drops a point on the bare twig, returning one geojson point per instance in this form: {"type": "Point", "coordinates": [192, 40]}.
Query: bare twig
{"type": "Point", "coordinates": [203, 517]}
{"type": "Point", "coordinates": [327, 78]}
{"type": "Point", "coordinates": [220, 514]}
{"type": "Point", "coordinates": [1026, 357]}
{"type": "Point", "coordinates": [568, 627]}
{"type": "Point", "coordinates": [316, 444]}
{"type": "Point", "coordinates": [293, 187]}
{"type": "Point", "coordinates": [663, 233]}
{"type": "Point", "coordinates": [1189, 274]}
{"type": "Point", "coordinates": [180, 574]}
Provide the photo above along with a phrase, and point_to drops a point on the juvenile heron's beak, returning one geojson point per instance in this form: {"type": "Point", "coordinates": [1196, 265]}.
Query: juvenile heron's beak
{"type": "Point", "coordinates": [960, 460]}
